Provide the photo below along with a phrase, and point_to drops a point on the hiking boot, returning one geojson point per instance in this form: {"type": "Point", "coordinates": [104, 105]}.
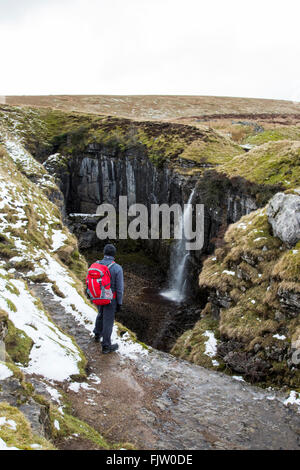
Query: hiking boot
{"type": "Point", "coordinates": [97, 338]}
{"type": "Point", "coordinates": [109, 349]}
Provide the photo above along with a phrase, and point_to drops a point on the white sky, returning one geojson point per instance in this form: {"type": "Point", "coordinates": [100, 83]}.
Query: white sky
{"type": "Point", "coordinates": [211, 47]}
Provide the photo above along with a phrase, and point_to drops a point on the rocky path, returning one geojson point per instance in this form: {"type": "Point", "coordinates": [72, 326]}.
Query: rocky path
{"type": "Point", "coordinates": [159, 402]}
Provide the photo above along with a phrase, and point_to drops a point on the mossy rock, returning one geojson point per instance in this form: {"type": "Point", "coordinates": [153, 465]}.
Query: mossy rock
{"type": "Point", "coordinates": [18, 344]}
{"type": "Point", "coordinates": [16, 431]}
{"type": "Point", "coordinates": [191, 345]}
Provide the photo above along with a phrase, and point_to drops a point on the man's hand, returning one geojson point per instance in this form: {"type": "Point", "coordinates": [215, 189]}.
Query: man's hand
{"type": "Point", "coordinates": [119, 306]}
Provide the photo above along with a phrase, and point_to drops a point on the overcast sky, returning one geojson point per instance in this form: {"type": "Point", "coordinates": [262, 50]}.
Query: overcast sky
{"type": "Point", "coordinates": [211, 47]}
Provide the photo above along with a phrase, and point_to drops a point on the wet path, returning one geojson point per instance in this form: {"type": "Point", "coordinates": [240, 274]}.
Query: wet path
{"type": "Point", "coordinates": [159, 402]}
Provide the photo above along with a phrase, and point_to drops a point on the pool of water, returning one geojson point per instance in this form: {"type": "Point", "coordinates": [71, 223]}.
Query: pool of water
{"type": "Point", "coordinates": [157, 296]}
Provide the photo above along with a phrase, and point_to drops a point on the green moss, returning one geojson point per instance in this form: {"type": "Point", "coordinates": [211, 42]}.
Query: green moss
{"type": "Point", "coordinates": [274, 135]}
{"type": "Point", "coordinates": [18, 344]}
{"type": "Point", "coordinates": [7, 247]}
{"type": "Point", "coordinates": [213, 151]}
{"type": "Point", "coordinates": [78, 265]}
{"type": "Point", "coordinates": [69, 133]}
{"type": "Point", "coordinates": [191, 345]}
{"type": "Point", "coordinates": [22, 437]}
{"type": "Point", "coordinates": [287, 267]}
{"type": "Point", "coordinates": [249, 271]}
{"type": "Point", "coordinates": [24, 265]}
{"type": "Point", "coordinates": [12, 288]}
{"type": "Point", "coordinates": [69, 425]}
{"type": "Point", "coordinates": [57, 291]}
{"type": "Point", "coordinates": [3, 316]}
{"type": "Point", "coordinates": [269, 164]}
{"type": "Point", "coordinates": [40, 278]}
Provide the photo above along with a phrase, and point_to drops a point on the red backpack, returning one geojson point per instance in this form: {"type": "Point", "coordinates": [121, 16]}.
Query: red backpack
{"type": "Point", "coordinates": [98, 282]}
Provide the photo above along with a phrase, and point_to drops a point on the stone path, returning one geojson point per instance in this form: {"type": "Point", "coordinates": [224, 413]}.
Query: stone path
{"type": "Point", "coordinates": [160, 402]}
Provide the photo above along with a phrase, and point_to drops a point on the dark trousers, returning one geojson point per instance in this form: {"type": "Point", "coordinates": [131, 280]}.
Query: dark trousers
{"type": "Point", "coordinates": [105, 322]}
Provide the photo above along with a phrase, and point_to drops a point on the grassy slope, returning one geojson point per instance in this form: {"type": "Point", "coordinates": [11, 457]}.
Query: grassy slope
{"type": "Point", "coordinates": [269, 163]}
{"type": "Point", "coordinates": [157, 107]}
{"type": "Point", "coordinates": [45, 131]}
{"type": "Point", "coordinates": [274, 162]}
{"type": "Point", "coordinates": [250, 270]}
{"type": "Point", "coordinates": [41, 218]}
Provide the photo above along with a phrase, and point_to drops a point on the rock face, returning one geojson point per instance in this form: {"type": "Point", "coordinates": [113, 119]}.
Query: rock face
{"type": "Point", "coordinates": [252, 286]}
{"type": "Point", "coordinates": [284, 216]}
{"type": "Point", "coordinates": [100, 175]}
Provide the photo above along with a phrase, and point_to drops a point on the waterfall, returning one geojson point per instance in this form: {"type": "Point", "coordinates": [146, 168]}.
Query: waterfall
{"type": "Point", "coordinates": [179, 256]}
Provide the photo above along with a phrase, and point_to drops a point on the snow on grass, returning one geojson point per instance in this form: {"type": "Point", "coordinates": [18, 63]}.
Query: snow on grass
{"type": "Point", "coordinates": [293, 399]}
{"type": "Point", "coordinates": [54, 394]}
{"type": "Point", "coordinates": [239, 378]}
{"type": "Point", "coordinates": [230, 273]}
{"type": "Point", "coordinates": [91, 402]}
{"type": "Point", "coordinates": [56, 424]}
{"type": "Point", "coordinates": [30, 166]}
{"type": "Point", "coordinates": [84, 313]}
{"type": "Point", "coordinates": [20, 156]}
{"type": "Point", "coordinates": [8, 422]}
{"type": "Point", "coordinates": [76, 386]}
{"type": "Point", "coordinates": [4, 446]}
{"type": "Point", "coordinates": [36, 446]}
{"type": "Point", "coordinates": [95, 379]}
{"type": "Point", "coordinates": [58, 239]}
{"type": "Point", "coordinates": [210, 345]}
{"type": "Point", "coordinates": [127, 347]}
{"type": "Point", "coordinates": [282, 337]}
{"type": "Point", "coordinates": [5, 372]}
{"type": "Point", "coordinates": [53, 354]}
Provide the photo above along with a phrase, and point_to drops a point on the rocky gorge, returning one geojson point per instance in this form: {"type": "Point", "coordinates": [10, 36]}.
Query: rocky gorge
{"type": "Point", "coordinates": [241, 316]}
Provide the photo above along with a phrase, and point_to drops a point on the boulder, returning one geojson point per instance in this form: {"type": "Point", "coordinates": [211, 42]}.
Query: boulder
{"type": "Point", "coordinates": [284, 216]}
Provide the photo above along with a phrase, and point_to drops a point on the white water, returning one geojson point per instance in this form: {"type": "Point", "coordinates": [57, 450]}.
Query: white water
{"type": "Point", "coordinates": [179, 256]}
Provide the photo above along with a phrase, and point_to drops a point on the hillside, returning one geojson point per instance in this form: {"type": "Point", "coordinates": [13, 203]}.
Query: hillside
{"type": "Point", "coordinates": [159, 107]}
{"type": "Point", "coordinates": [57, 391]}
{"type": "Point", "coordinates": [37, 250]}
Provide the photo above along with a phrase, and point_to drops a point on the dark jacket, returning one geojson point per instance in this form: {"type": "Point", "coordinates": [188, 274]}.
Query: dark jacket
{"type": "Point", "coordinates": [117, 278]}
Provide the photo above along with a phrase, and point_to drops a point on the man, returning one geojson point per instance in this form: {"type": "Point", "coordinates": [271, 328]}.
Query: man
{"type": "Point", "coordinates": [106, 313]}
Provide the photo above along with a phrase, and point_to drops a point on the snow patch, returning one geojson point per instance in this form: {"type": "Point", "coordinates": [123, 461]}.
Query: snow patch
{"type": "Point", "coordinates": [210, 344]}
{"type": "Point", "coordinates": [5, 372]}
{"type": "Point", "coordinates": [282, 337]}
{"type": "Point", "coordinates": [4, 446]}
{"type": "Point", "coordinates": [49, 341]}
{"type": "Point", "coordinates": [230, 273]}
{"type": "Point", "coordinates": [58, 239]}
{"type": "Point", "coordinates": [8, 422]}
{"type": "Point", "coordinates": [239, 378]}
{"type": "Point", "coordinates": [293, 399]}
{"type": "Point", "coordinates": [56, 424]}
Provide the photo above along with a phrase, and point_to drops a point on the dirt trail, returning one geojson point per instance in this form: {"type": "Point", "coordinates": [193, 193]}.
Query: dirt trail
{"type": "Point", "coordinates": [160, 402]}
